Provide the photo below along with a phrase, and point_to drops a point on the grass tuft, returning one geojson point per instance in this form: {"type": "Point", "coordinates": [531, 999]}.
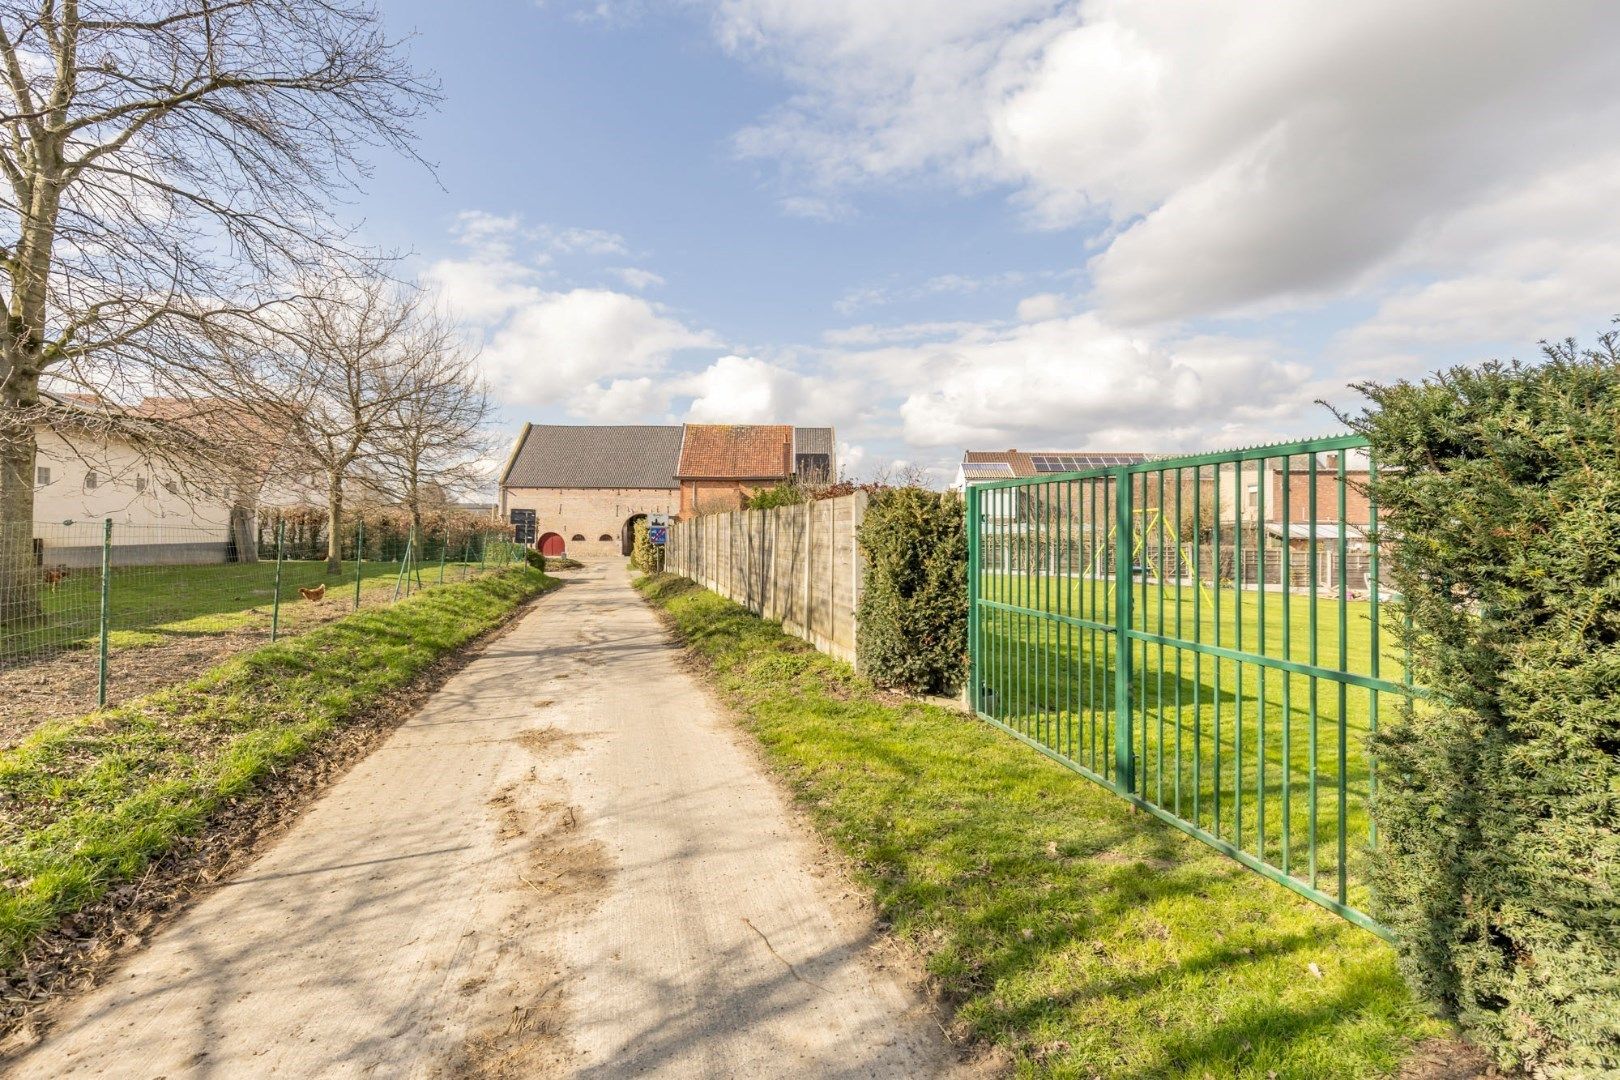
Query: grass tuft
{"type": "Point", "coordinates": [1083, 938]}
{"type": "Point", "coordinates": [88, 802]}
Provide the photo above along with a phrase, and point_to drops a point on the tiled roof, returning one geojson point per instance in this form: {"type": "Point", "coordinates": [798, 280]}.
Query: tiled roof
{"type": "Point", "coordinates": [736, 452]}
{"type": "Point", "coordinates": [582, 456]}
{"type": "Point", "coordinates": [1024, 463]}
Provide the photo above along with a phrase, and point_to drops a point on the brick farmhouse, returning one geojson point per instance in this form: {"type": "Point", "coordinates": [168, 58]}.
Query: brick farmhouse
{"type": "Point", "coordinates": [580, 489]}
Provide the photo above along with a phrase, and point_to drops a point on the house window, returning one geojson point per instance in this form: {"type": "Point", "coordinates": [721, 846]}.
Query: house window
{"type": "Point", "coordinates": [579, 536]}
{"type": "Point", "coordinates": [91, 480]}
{"type": "Point", "coordinates": [140, 485]}
{"type": "Point", "coordinates": [171, 487]}
{"type": "Point", "coordinates": [42, 475]}
{"type": "Point", "coordinates": [604, 536]}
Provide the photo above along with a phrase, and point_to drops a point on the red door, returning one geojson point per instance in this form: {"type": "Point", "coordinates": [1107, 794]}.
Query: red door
{"type": "Point", "coordinates": [552, 544]}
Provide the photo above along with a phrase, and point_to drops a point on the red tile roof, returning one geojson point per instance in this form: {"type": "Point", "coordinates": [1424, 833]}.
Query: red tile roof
{"type": "Point", "coordinates": [736, 452]}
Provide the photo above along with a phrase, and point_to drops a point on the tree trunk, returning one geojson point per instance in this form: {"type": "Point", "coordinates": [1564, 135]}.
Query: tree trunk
{"type": "Point", "coordinates": [19, 574]}
{"type": "Point", "coordinates": [244, 535]}
{"type": "Point", "coordinates": [334, 523]}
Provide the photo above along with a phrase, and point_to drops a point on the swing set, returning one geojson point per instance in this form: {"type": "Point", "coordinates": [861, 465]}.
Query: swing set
{"type": "Point", "coordinates": [1143, 525]}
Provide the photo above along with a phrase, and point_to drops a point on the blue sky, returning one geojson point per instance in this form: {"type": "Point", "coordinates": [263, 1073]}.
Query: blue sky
{"type": "Point", "coordinates": [1099, 225]}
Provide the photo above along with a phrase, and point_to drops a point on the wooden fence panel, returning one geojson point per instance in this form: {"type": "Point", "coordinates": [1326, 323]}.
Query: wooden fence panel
{"type": "Point", "coordinates": [796, 565]}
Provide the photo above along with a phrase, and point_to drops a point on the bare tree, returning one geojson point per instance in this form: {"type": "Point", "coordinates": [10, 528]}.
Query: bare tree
{"type": "Point", "coordinates": [352, 362]}
{"type": "Point", "coordinates": [434, 438]}
{"type": "Point", "coordinates": [162, 159]}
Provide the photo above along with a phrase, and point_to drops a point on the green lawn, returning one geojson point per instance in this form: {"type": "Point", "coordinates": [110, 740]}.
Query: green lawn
{"type": "Point", "coordinates": [88, 802]}
{"type": "Point", "coordinates": [150, 604]}
{"type": "Point", "coordinates": [1226, 745]}
{"type": "Point", "coordinates": [1085, 938]}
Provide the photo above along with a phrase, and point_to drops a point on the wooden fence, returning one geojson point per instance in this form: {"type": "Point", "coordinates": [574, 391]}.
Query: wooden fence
{"type": "Point", "coordinates": [797, 565]}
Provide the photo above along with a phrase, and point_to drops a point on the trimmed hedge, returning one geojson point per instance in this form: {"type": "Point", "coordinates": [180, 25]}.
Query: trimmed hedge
{"type": "Point", "coordinates": [912, 619]}
{"type": "Point", "coordinates": [644, 554]}
{"type": "Point", "coordinates": [1498, 807]}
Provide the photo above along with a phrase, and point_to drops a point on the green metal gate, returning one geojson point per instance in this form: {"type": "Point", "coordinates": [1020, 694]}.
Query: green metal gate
{"type": "Point", "coordinates": [1208, 637]}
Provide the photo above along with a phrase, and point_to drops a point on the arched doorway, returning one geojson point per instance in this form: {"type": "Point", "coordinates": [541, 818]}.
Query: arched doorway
{"type": "Point", "coordinates": [627, 535]}
{"type": "Point", "coordinates": [552, 544]}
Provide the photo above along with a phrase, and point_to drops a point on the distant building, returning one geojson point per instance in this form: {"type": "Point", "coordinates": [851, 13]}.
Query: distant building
{"type": "Point", "coordinates": [981, 466]}
{"type": "Point", "coordinates": [721, 465]}
{"type": "Point", "coordinates": [580, 489]}
{"type": "Point", "coordinates": [140, 467]}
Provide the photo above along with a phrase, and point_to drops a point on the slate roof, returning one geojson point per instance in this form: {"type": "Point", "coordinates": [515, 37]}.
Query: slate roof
{"type": "Point", "coordinates": [736, 452]}
{"type": "Point", "coordinates": [595, 456]}
{"type": "Point", "coordinates": [813, 440]}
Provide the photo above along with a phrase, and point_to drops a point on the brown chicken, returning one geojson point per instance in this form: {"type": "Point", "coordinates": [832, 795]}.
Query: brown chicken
{"type": "Point", "coordinates": [55, 575]}
{"type": "Point", "coordinates": [313, 594]}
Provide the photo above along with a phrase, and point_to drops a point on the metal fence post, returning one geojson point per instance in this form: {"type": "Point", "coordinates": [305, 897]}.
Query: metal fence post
{"type": "Point", "coordinates": [483, 549]}
{"type": "Point", "coordinates": [106, 611]}
{"type": "Point", "coordinates": [404, 565]}
{"type": "Point", "coordinates": [444, 548]}
{"type": "Point", "coordinates": [975, 696]}
{"type": "Point", "coordinates": [1124, 581]}
{"type": "Point", "coordinates": [275, 610]}
{"type": "Point", "coordinates": [359, 558]}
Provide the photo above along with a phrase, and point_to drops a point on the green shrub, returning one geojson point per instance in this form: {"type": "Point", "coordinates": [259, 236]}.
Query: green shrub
{"type": "Point", "coordinates": [785, 494]}
{"type": "Point", "coordinates": [912, 620]}
{"type": "Point", "coordinates": [1498, 806]}
{"type": "Point", "coordinates": [535, 559]}
{"type": "Point", "coordinates": [644, 554]}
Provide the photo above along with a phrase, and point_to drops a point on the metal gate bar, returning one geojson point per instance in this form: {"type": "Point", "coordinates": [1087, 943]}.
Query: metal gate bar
{"type": "Point", "coordinates": [1159, 628]}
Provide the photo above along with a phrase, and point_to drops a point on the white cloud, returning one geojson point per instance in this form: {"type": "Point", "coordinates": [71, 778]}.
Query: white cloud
{"type": "Point", "coordinates": [570, 241]}
{"type": "Point", "coordinates": [638, 279]}
{"type": "Point", "coordinates": [816, 207]}
{"type": "Point", "coordinates": [1077, 380]}
{"type": "Point", "coordinates": [1234, 157]}
{"type": "Point", "coordinates": [591, 351]}
{"type": "Point", "coordinates": [873, 334]}
{"type": "Point", "coordinates": [748, 390]}
{"type": "Point", "coordinates": [550, 348]}
{"type": "Point", "coordinates": [619, 401]}
{"type": "Point", "coordinates": [1042, 306]}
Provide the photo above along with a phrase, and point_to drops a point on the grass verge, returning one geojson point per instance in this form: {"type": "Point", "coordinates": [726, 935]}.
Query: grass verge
{"type": "Point", "coordinates": [89, 802]}
{"type": "Point", "coordinates": [1083, 938]}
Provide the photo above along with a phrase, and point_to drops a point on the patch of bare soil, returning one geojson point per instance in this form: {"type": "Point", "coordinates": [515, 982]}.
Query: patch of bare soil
{"type": "Point", "coordinates": [563, 876]}
{"type": "Point", "coordinates": [63, 684]}
{"type": "Point", "coordinates": [1447, 1059]}
{"type": "Point", "coordinates": [79, 952]}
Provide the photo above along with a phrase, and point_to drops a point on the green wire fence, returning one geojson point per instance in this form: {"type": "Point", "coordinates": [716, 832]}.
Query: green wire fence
{"type": "Point", "coordinates": [1208, 637]}
{"type": "Point", "coordinates": [94, 611]}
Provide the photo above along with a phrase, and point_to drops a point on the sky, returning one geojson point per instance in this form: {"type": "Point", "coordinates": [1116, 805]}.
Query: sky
{"type": "Point", "coordinates": [1147, 225]}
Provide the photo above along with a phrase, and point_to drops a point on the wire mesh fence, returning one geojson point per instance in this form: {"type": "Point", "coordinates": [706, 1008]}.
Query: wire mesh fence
{"type": "Point", "coordinates": [95, 612]}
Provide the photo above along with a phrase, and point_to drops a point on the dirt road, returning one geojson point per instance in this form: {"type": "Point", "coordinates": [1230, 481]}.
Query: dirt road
{"type": "Point", "coordinates": [568, 863]}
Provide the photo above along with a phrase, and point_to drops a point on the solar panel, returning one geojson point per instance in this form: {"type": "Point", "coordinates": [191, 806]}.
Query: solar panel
{"type": "Point", "coordinates": [987, 468]}
{"type": "Point", "coordinates": [1058, 463]}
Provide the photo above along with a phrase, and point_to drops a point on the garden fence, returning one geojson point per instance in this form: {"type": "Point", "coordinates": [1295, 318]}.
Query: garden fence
{"type": "Point", "coordinates": [1208, 637]}
{"type": "Point", "coordinates": [90, 605]}
{"type": "Point", "coordinates": [797, 565]}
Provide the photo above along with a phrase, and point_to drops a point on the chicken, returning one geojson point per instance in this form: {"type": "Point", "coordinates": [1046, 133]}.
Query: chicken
{"type": "Point", "coordinates": [316, 593]}
{"type": "Point", "coordinates": [55, 575]}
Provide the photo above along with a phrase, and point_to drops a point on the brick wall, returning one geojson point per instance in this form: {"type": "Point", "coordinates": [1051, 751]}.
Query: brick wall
{"type": "Point", "coordinates": [1357, 507]}
{"type": "Point", "coordinates": [588, 512]}
{"type": "Point", "coordinates": [718, 496]}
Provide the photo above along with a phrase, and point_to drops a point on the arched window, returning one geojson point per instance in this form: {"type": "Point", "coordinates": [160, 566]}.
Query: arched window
{"type": "Point", "coordinates": [606, 536]}
{"type": "Point", "coordinates": [579, 536]}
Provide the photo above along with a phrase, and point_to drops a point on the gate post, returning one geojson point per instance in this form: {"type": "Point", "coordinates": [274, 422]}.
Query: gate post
{"type": "Point", "coordinates": [1124, 582]}
{"type": "Point", "coordinates": [974, 694]}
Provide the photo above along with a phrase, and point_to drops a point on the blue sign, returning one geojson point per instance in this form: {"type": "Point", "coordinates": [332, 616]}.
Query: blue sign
{"type": "Point", "coordinates": [658, 534]}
